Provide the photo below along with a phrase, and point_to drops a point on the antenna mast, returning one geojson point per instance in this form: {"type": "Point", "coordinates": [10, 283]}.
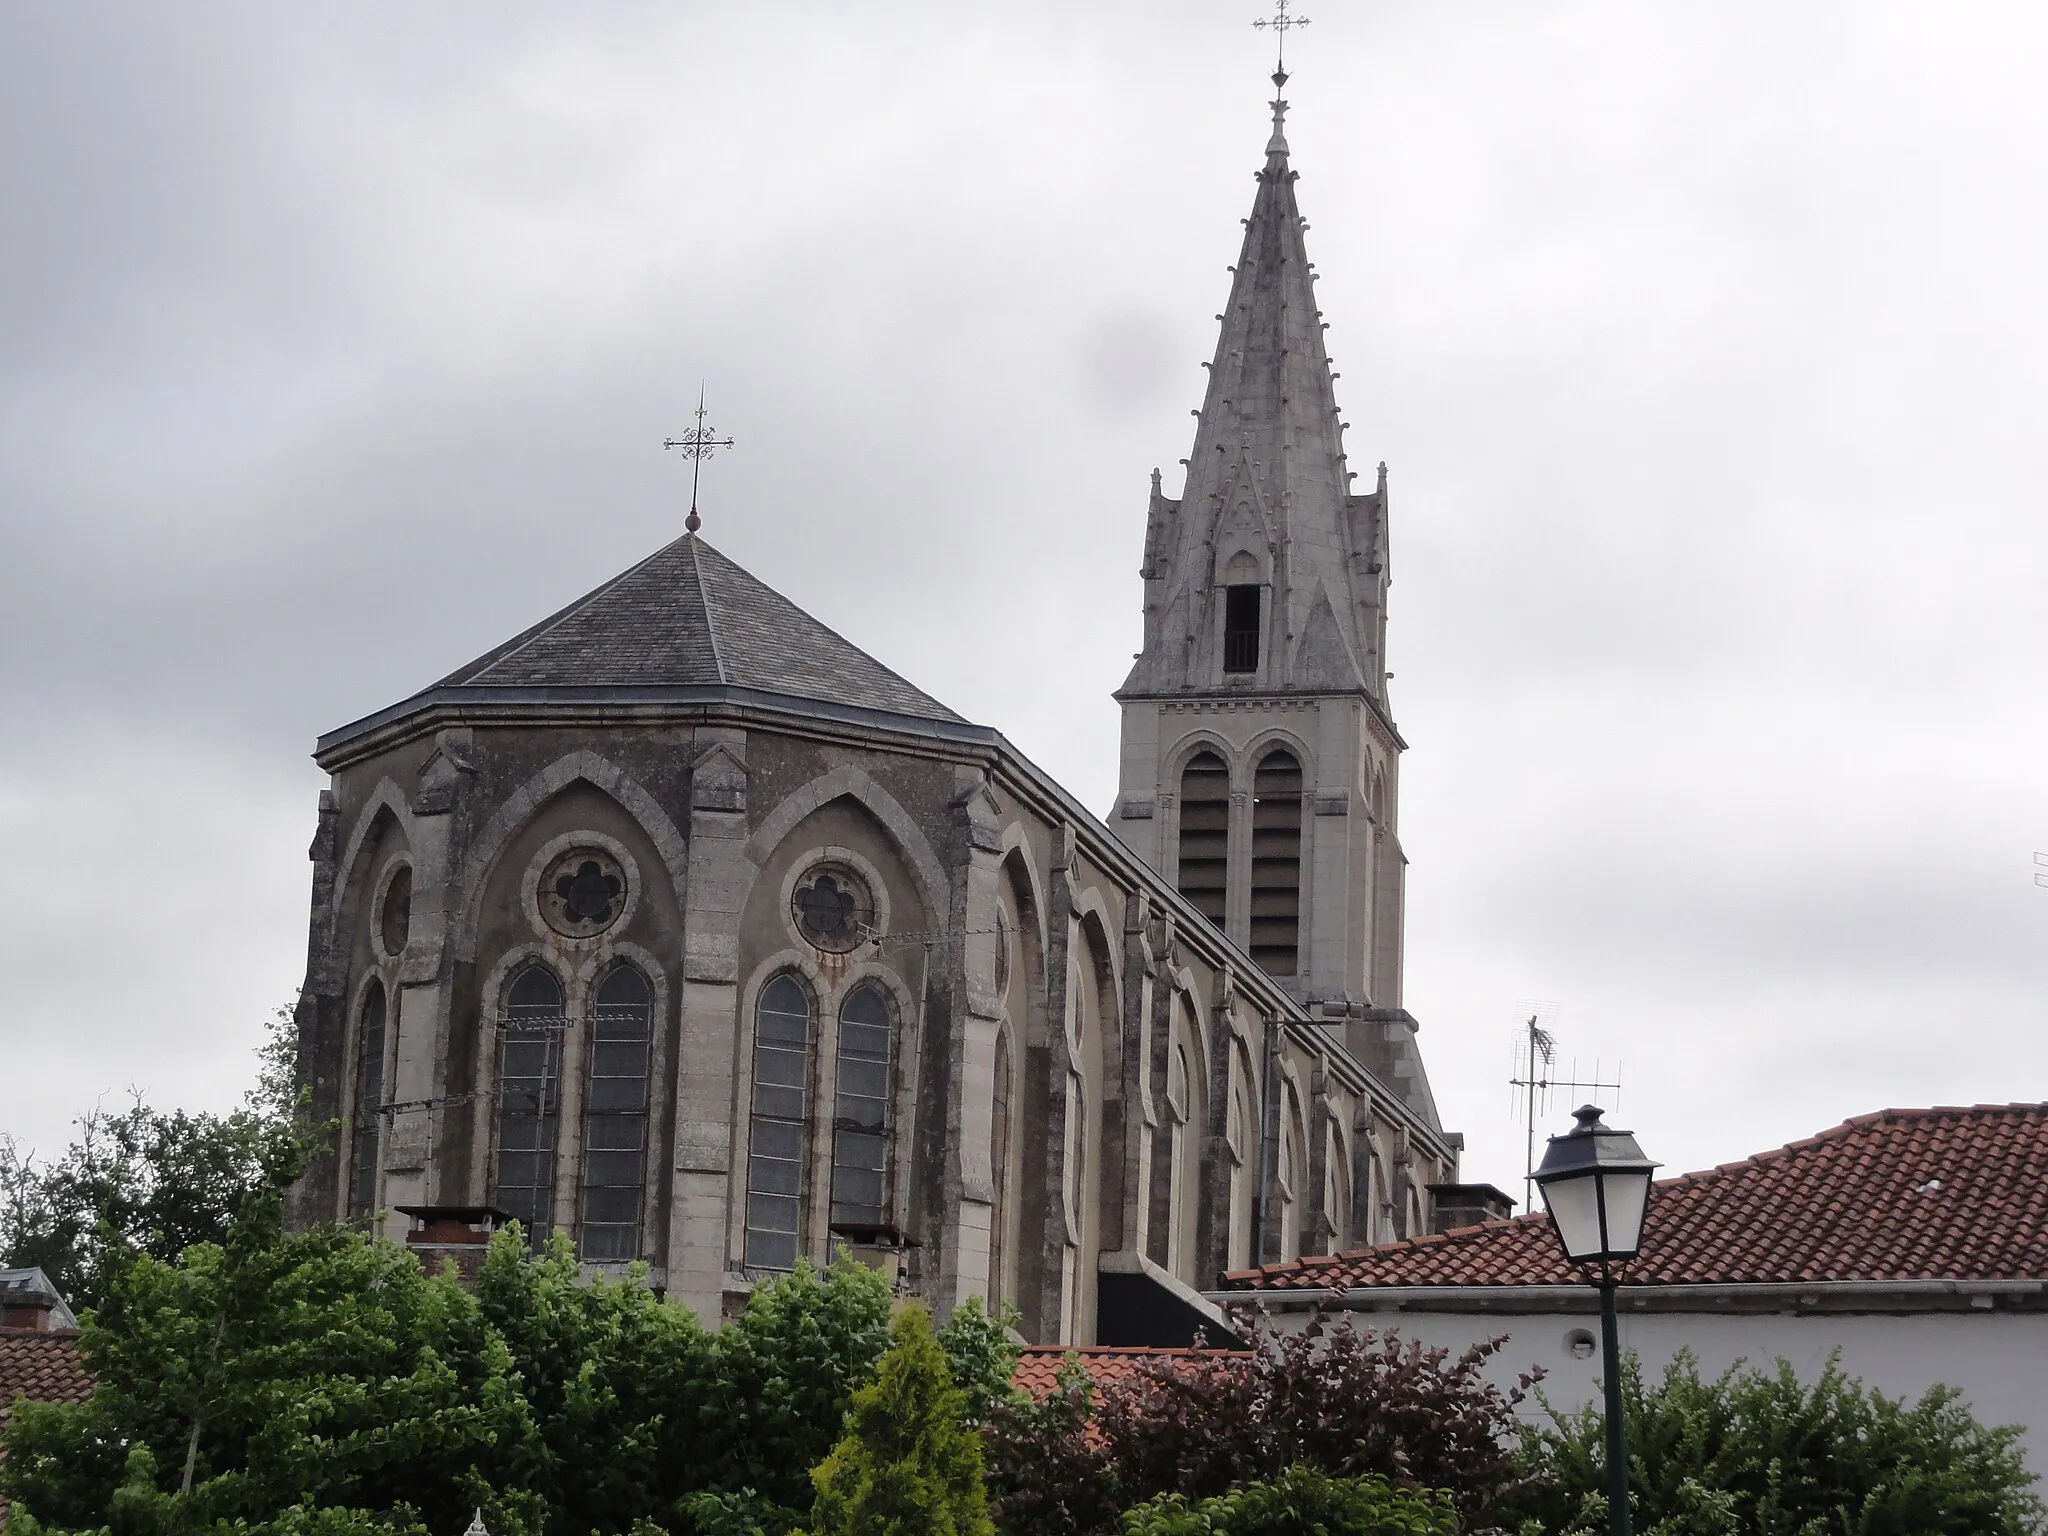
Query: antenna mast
{"type": "Point", "coordinates": [1534, 1074]}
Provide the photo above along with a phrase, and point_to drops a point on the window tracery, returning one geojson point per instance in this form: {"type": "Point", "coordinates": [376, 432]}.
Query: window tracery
{"type": "Point", "coordinates": [615, 1118]}
{"type": "Point", "coordinates": [529, 1099]}
{"type": "Point", "coordinates": [776, 1140]}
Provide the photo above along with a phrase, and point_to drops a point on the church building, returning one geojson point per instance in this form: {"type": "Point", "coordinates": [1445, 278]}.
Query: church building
{"type": "Point", "coordinates": [680, 927]}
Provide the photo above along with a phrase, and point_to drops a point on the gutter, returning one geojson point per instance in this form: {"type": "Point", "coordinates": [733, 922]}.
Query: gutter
{"type": "Point", "coordinates": [1527, 1300]}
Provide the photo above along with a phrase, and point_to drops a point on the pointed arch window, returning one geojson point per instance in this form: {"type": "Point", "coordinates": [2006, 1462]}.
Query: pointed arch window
{"type": "Point", "coordinates": [530, 1099]}
{"type": "Point", "coordinates": [1241, 627]}
{"type": "Point", "coordinates": [1177, 1106]}
{"type": "Point", "coordinates": [776, 1141]}
{"type": "Point", "coordinates": [615, 1118]}
{"type": "Point", "coordinates": [860, 1112]}
{"type": "Point", "coordinates": [1205, 833]}
{"type": "Point", "coordinates": [999, 1168]}
{"type": "Point", "coordinates": [1276, 864]}
{"type": "Point", "coordinates": [369, 1109]}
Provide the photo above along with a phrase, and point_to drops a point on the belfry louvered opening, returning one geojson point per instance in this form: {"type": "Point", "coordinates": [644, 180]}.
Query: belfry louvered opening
{"type": "Point", "coordinates": [1205, 833]}
{"type": "Point", "coordinates": [1276, 864]}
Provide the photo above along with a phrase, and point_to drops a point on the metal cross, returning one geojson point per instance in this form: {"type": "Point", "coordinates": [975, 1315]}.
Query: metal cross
{"type": "Point", "coordinates": [697, 444]}
{"type": "Point", "coordinates": [1280, 22]}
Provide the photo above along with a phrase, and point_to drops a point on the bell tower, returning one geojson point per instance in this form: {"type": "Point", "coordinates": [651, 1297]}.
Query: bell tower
{"type": "Point", "coordinates": [1260, 763]}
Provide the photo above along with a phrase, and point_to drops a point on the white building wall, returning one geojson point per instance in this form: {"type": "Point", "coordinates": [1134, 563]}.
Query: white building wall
{"type": "Point", "coordinates": [1998, 1359]}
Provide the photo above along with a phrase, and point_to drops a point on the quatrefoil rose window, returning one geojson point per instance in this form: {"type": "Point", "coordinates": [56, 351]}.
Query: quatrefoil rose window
{"type": "Point", "coordinates": [832, 909]}
{"type": "Point", "coordinates": [582, 893]}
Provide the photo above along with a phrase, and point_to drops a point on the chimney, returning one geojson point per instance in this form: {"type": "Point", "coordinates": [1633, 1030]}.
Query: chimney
{"type": "Point", "coordinates": [1467, 1205]}
{"type": "Point", "coordinates": [27, 1311]}
{"type": "Point", "coordinates": [456, 1233]}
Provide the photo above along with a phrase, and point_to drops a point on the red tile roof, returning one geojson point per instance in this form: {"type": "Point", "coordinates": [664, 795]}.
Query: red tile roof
{"type": "Point", "coordinates": [43, 1367]}
{"type": "Point", "coordinates": [1904, 1194]}
{"type": "Point", "coordinates": [1038, 1367]}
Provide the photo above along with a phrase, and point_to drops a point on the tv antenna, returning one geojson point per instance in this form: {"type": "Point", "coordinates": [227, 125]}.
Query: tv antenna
{"type": "Point", "coordinates": [1535, 1075]}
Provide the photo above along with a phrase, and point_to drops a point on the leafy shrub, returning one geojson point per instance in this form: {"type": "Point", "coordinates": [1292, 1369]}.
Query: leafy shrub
{"type": "Point", "coordinates": [1760, 1453]}
{"type": "Point", "coordinates": [1299, 1502]}
{"type": "Point", "coordinates": [1347, 1401]}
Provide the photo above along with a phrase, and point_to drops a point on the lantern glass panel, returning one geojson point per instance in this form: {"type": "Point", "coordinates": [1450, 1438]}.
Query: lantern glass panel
{"type": "Point", "coordinates": [1627, 1195]}
{"type": "Point", "coordinates": [1574, 1204]}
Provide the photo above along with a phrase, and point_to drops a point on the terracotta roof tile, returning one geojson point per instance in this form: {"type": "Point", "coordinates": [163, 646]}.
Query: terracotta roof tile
{"type": "Point", "coordinates": [1038, 1367]}
{"type": "Point", "coordinates": [42, 1367]}
{"type": "Point", "coordinates": [1904, 1194]}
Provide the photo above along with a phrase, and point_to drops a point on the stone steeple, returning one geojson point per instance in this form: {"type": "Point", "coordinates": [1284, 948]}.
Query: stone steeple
{"type": "Point", "coordinates": [1267, 502]}
{"type": "Point", "coordinates": [1260, 760]}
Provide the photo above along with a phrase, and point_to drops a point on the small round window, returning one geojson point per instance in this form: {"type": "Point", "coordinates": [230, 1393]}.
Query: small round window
{"type": "Point", "coordinates": [832, 909]}
{"type": "Point", "coordinates": [582, 893]}
{"type": "Point", "coordinates": [395, 921]}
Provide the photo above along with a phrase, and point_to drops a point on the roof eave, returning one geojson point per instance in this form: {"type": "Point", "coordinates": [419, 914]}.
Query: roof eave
{"type": "Point", "coordinates": [1725, 1296]}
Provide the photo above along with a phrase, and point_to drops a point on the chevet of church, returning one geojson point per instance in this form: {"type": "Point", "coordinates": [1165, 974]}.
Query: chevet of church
{"type": "Point", "coordinates": [679, 927]}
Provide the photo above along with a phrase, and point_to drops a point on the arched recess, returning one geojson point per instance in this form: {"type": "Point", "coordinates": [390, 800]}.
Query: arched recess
{"type": "Point", "coordinates": [1027, 972]}
{"type": "Point", "coordinates": [526, 802]}
{"type": "Point", "coordinates": [387, 804]}
{"type": "Point", "coordinates": [1185, 1110]}
{"type": "Point", "coordinates": [850, 782]}
{"type": "Point", "coordinates": [1290, 1166]}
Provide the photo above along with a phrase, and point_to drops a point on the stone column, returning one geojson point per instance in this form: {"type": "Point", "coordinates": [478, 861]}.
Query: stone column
{"type": "Point", "coordinates": [720, 876]}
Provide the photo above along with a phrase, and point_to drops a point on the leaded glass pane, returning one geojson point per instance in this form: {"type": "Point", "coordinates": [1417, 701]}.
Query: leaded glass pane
{"type": "Point", "coordinates": [775, 1149]}
{"type": "Point", "coordinates": [615, 1118]}
{"type": "Point", "coordinates": [369, 1109]}
{"type": "Point", "coordinates": [529, 1099]}
{"type": "Point", "coordinates": [860, 1111]}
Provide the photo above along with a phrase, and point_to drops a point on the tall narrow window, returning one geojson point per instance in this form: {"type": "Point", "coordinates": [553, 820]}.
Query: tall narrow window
{"type": "Point", "coordinates": [775, 1138]}
{"type": "Point", "coordinates": [369, 1115]}
{"type": "Point", "coordinates": [615, 1118]}
{"type": "Point", "coordinates": [999, 1168]}
{"type": "Point", "coordinates": [1276, 864]}
{"type": "Point", "coordinates": [860, 1113]}
{"type": "Point", "coordinates": [1205, 833]}
{"type": "Point", "coordinates": [530, 1100]}
{"type": "Point", "coordinates": [1241, 629]}
{"type": "Point", "coordinates": [1176, 1155]}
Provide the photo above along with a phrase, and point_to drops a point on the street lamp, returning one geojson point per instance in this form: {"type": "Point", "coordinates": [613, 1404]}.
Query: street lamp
{"type": "Point", "coordinates": [1596, 1186]}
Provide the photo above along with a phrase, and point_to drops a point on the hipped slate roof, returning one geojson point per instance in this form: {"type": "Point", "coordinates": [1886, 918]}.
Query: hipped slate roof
{"type": "Point", "coordinates": [1904, 1194]}
{"type": "Point", "coordinates": [687, 616]}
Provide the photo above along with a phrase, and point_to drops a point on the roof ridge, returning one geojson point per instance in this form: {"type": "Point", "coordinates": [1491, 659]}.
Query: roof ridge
{"type": "Point", "coordinates": [704, 596]}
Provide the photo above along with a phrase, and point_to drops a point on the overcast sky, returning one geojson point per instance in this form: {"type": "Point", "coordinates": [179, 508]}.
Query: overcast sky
{"type": "Point", "coordinates": [1707, 346]}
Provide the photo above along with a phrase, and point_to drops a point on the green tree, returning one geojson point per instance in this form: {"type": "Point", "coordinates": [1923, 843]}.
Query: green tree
{"type": "Point", "coordinates": [982, 1356]}
{"type": "Point", "coordinates": [143, 1181]}
{"type": "Point", "coordinates": [908, 1464]}
{"type": "Point", "coordinates": [1761, 1453]}
{"type": "Point", "coordinates": [1301, 1501]}
{"type": "Point", "coordinates": [288, 1381]}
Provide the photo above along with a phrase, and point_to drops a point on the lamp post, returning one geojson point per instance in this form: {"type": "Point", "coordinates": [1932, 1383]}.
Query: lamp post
{"type": "Point", "coordinates": [1596, 1186]}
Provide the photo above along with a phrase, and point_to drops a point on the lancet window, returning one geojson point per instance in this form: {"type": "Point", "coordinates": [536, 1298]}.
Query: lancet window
{"type": "Point", "coordinates": [369, 1107]}
{"type": "Point", "coordinates": [615, 1118]}
{"type": "Point", "coordinates": [1241, 628]}
{"type": "Point", "coordinates": [1276, 864]}
{"type": "Point", "coordinates": [530, 1099]}
{"type": "Point", "coordinates": [776, 1139]}
{"type": "Point", "coordinates": [860, 1113]}
{"type": "Point", "coordinates": [1205, 833]}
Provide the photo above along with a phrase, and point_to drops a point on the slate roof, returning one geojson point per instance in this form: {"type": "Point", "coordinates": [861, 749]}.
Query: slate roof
{"type": "Point", "coordinates": [42, 1367]}
{"type": "Point", "coordinates": [688, 616]}
{"type": "Point", "coordinates": [1904, 1194]}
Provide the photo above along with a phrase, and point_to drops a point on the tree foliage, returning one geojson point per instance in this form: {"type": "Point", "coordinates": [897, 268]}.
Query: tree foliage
{"type": "Point", "coordinates": [1299, 1502]}
{"type": "Point", "coordinates": [143, 1181]}
{"type": "Point", "coordinates": [1761, 1453]}
{"type": "Point", "coordinates": [908, 1464]}
{"type": "Point", "coordinates": [1346, 1401]}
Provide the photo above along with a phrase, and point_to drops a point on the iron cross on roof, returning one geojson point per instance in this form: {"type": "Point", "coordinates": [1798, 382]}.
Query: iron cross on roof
{"type": "Point", "coordinates": [1280, 21]}
{"type": "Point", "coordinates": [697, 444]}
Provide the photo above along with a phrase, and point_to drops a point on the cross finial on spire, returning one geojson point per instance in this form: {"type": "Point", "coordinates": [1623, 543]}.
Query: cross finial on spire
{"type": "Point", "coordinates": [697, 444]}
{"type": "Point", "coordinates": [1280, 21]}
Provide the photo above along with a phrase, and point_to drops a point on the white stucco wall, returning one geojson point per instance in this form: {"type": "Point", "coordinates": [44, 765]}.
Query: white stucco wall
{"type": "Point", "coordinates": [1998, 1359]}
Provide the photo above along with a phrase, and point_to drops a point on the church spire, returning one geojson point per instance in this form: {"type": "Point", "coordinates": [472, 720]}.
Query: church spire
{"type": "Point", "coordinates": [1267, 502]}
